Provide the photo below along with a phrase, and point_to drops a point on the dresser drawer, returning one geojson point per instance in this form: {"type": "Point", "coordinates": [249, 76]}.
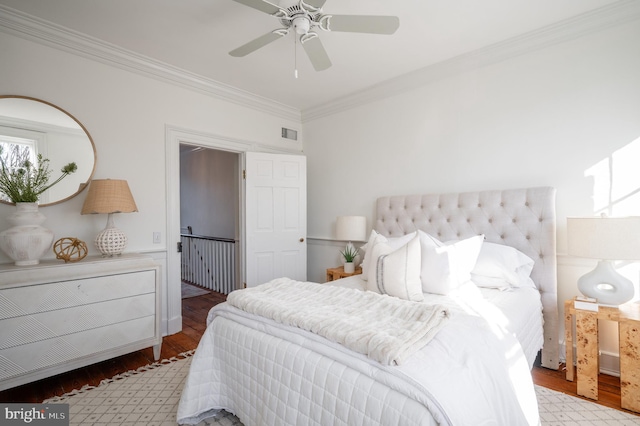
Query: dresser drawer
{"type": "Point", "coordinates": [26, 300]}
{"type": "Point", "coordinates": [59, 351]}
{"type": "Point", "coordinates": [51, 324]}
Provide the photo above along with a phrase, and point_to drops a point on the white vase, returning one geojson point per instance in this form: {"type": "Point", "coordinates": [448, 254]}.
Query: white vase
{"type": "Point", "coordinates": [349, 267]}
{"type": "Point", "coordinates": [26, 241]}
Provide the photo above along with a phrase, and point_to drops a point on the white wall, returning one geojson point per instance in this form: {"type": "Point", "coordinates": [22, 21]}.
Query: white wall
{"type": "Point", "coordinates": [542, 118]}
{"type": "Point", "coordinates": [126, 114]}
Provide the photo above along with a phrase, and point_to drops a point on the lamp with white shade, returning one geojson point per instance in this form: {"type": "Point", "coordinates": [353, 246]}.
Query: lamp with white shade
{"type": "Point", "coordinates": [109, 196]}
{"type": "Point", "coordinates": [351, 228]}
{"type": "Point", "coordinates": [607, 239]}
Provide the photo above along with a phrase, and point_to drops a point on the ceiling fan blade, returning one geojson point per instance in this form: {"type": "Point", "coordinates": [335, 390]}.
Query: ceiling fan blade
{"type": "Point", "coordinates": [363, 24]}
{"type": "Point", "coordinates": [261, 5]}
{"type": "Point", "coordinates": [256, 44]}
{"type": "Point", "coordinates": [315, 3]}
{"type": "Point", "coordinates": [315, 51]}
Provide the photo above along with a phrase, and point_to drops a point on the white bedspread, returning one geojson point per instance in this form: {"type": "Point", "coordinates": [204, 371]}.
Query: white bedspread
{"type": "Point", "coordinates": [384, 328]}
{"type": "Point", "coordinates": [470, 373]}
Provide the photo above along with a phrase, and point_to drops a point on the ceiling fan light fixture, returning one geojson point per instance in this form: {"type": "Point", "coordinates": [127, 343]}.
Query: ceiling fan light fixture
{"type": "Point", "coordinates": [305, 16]}
{"type": "Point", "coordinates": [301, 24]}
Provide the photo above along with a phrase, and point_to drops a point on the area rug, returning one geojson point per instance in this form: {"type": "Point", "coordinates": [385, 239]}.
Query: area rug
{"type": "Point", "coordinates": [150, 396]}
{"type": "Point", "coordinates": [190, 290]}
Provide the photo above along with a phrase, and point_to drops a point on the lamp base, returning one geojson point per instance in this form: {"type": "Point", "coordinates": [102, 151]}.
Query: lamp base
{"type": "Point", "coordinates": [111, 241]}
{"type": "Point", "coordinates": [606, 285]}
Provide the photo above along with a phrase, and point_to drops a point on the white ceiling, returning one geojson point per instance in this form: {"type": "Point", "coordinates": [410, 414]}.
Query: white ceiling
{"type": "Point", "coordinates": [196, 35]}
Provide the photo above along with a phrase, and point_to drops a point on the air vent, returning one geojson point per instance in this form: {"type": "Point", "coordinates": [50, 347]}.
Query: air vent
{"type": "Point", "coordinates": [290, 134]}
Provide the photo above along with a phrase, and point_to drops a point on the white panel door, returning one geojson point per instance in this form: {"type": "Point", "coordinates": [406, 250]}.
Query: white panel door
{"type": "Point", "coordinates": [276, 217]}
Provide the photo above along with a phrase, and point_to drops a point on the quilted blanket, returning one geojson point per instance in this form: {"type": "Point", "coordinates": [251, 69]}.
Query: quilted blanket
{"type": "Point", "coordinates": [472, 372]}
{"type": "Point", "coordinates": [384, 328]}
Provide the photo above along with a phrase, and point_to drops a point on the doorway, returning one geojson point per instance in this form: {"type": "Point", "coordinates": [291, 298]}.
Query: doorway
{"type": "Point", "coordinates": [175, 138]}
{"type": "Point", "coordinates": [209, 219]}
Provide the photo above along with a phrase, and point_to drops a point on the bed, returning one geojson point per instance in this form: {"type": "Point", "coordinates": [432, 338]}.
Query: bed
{"type": "Point", "coordinates": [473, 369]}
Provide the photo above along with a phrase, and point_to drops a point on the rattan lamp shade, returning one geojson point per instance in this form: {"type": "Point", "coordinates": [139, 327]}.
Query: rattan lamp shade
{"type": "Point", "coordinates": [108, 196]}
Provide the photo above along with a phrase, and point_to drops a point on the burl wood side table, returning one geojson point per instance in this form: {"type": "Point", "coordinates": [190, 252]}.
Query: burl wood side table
{"type": "Point", "coordinates": [587, 361]}
{"type": "Point", "coordinates": [337, 273]}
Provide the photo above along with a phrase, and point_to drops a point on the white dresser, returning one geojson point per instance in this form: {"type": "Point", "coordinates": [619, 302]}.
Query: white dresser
{"type": "Point", "coordinates": [56, 317]}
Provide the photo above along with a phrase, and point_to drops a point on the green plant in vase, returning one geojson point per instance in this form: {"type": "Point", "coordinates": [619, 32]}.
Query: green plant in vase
{"type": "Point", "coordinates": [349, 254]}
{"type": "Point", "coordinates": [22, 181]}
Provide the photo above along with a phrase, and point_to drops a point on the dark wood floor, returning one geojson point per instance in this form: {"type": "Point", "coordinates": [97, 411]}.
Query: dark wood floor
{"type": "Point", "coordinates": [194, 314]}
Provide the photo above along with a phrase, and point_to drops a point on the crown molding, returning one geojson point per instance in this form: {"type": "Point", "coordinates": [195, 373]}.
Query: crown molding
{"type": "Point", "coordinates": [606, 17]}
{"type": "Point", "coordinates": [35, 29]}
{"type": "Point", "coordinates": [44, 32]}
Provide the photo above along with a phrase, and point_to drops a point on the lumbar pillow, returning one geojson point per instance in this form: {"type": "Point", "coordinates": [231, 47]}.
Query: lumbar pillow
{"type": "Point", "coordinates": [445, 266]}
{"type": "Point", "coordinates": [396, 272]}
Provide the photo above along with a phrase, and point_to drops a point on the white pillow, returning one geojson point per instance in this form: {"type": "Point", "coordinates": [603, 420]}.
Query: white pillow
{"type": "Point", "coordinates": [446, 266]}
{"type": "Point", "coordinates": [365, 249]}
{"type": "Point", "coordinates": [396, 272]}
{"type": "Point", "coordinates": [499, 263]}
{"type": "Point", "coordinates": [500, 283]}
{"type": "Point", "coordinates": [394, 243]}
{"type": "Point", "coordinates": [490, 282]}
{"type": "Point", "coordinates": [376, 247]}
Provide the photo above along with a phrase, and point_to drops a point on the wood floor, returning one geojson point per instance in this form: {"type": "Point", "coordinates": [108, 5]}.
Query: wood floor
{"type": "Point", "coordinates": [194, 313]}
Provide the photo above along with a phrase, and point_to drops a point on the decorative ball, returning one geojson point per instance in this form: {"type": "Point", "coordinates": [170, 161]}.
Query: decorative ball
{"type": "Point", "coordinates": [70, 249]}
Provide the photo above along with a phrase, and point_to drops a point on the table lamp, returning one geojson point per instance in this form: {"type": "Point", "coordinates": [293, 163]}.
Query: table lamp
{"type": "Point", "coordinates": [351, 228]}
{"type": "Point", "coordinates": [109, 196]}
{"type": "Point", "coordinates": [607, 239]}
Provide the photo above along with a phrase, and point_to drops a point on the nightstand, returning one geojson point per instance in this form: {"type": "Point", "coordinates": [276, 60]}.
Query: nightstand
{"type": "Point", "coordinates": [587, 362]}
{"type": "Point", "coordinates": [337, 273]}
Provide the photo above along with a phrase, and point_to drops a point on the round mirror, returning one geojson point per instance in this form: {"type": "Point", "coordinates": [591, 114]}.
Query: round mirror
{"type": "Point", "coordinates": [40, 127]}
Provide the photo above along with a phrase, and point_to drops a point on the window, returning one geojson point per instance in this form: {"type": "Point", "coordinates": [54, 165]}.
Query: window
{"type": "Point", "coordinates": [15, 151]}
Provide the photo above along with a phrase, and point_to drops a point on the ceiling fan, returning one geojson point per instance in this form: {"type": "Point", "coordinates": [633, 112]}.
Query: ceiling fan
{"type": "Point", "coordinates": [304, 16]}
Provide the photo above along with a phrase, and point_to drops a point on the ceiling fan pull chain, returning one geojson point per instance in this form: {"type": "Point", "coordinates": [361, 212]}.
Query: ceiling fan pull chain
{"type": "Point", "coordinates": [295, 56]}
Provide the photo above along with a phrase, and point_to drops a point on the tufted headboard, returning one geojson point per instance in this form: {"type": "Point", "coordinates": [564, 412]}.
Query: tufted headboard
{"type": "Point", "coordinates": [521, 218]}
